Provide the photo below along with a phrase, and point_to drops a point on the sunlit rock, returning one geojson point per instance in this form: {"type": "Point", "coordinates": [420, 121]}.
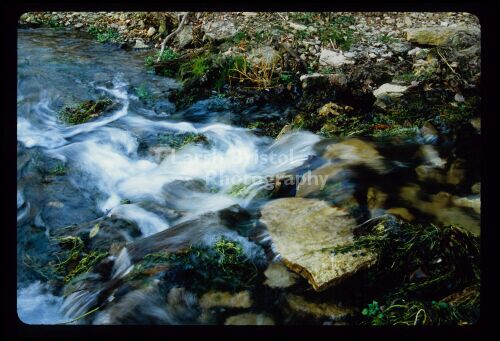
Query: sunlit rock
{"type": "Point", "coordinates": [304, 231]}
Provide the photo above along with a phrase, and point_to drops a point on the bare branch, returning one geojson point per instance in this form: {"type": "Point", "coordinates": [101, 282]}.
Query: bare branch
{"type": "Point", "coordinates": [167, 38]}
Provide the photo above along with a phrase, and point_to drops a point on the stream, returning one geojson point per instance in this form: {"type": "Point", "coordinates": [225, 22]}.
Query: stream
{"type": "Point", "coordinates": [118, 165]}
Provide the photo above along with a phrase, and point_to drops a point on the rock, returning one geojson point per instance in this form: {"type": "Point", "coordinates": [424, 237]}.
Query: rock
{"type": "Point", "coordinates": [100, 233]}
{"type": "Point", "coordinates": [389, 90]}
{"type": "Point", "coordinates": [79, 25]}
{"type": "Point", "coordinates": [219, 30]}
{"type": "Point", "coordinates": [163, 27]}
{"type": "Point", "coordinates": [249, 319]}
{"type": "Point", "coordinates": [429, 133]}
{"type": "Point", "coordinates": [375, 199]}
{"type": "Point", "coordinates": [333, 58]}
{"type": "Point", "coordinates": [161, 152]}
{"type": "Point", "coordinates": [441, 206]}
{"type": "Point", "coordinates": [459, 98]}
{"type": "Point", "coordinates": [355, 152]}
{"type": "Point", "coordinates": [439, 36]}
{"type": "Point", "coordinates": [333, 109]}
{"type": "Point", "coordinates": [468, 202]}
{"type": "Point", "coordinates": [278, 276]}
{"type": "Point", "coordinates": [301, 306]}
{"type": "Point", "coordinates": [249, 14]}
{"type": "Point", "coordinates": [185, 36]}
{"type": "Point", "coordinates": [456, 173]}
{"type": "Point", "coordinates": [241, 299]}
{"type": "Point", "coordinates": [427, 172]}
{"type": "Point", "coordinates": [431, 156]}
{"type": "Point", "coordinates": [317, 80]}
{"type": "Point", "coordinates": [151, 31]}
{"type": "Point", "coordinates": [401, 212]}
{"type": "Point", "coordinates": [476, 188]}
{"type": "Point", "coordinates": [476, 123]}
{"type": "Point", "coordinates": [297, 27]}
{"type": "Point", "coordinates": [304, 231]}
{"type": "Point", "coordinates": [139, 44]}
{"type": "Point", "coordinates": [263, 55]}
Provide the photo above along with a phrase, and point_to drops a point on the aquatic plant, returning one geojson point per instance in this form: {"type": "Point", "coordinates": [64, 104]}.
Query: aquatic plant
{"type": "Point", "coordinates": [84, 111]}
{"type": "Point", "coordinates": [222, 266]}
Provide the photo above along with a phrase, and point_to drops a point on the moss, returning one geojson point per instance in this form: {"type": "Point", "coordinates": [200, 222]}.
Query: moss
{"type": "Point", "coordinates": [85, 264]}
{"type": "Point", "coordinates": [220, 267]}
{"type": "Point", "coordinates": [142, 92]}
{"type": "Point", "coordinates": [84, 111]}
{"type": "Point", "coordinates": [237, 190]}
{"type": "Point", "coordinates": [178, 141]}
{"type": "Point", "coordinates": [60, 169]}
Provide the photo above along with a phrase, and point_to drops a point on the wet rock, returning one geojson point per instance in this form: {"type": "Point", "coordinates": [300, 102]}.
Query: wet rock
{"type": "Point", "coordinates": [241, 299]}
{"type": "Point", "coordinates": [438, 36]}
{"type": "Point", "coordinates": [249, 319]}
{"type": "Point", "coordinates": [278, 276]}
{"type": "Point", "coordinates": [139, 44]}
{"type": "Point", "coordinates": [185, 36]}
{"type": "Point", "coordinates": [376, 200]}
{"type": "Point", "coordinates": [333, 58]}
{"type": "Point", "coordinates": [100, 233]}
{"type": "Point", "coordinates": [304, 230]}
{"type": "Point", "coordinates": [263, 55]}
{"type": "Point", "coordinates": [476, 188]}
{"type": "Point", "coordinates": [441, 206]}
{"type": "Point", "coordinates": [401, 212]}
{"type": "Point", "coordinates": [219, 30]}
{"type": "Point", "coordinates": [317, 80]}
{"type": "Point", "coordinates": [468, 202]}
{"type": "Point", "coordinates": [456, 174]}
{"type": "Point", "coordinates": [353, 152]}
{"type": "Point", "coordinates": [301, 306]}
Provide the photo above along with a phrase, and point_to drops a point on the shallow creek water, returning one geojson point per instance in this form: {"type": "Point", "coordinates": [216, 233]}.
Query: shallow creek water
{"type": "Point", "coordinates": [111, 164]}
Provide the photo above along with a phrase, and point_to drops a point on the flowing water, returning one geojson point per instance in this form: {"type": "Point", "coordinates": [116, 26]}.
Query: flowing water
{"type": "Point", "coordinates": [111, 164]}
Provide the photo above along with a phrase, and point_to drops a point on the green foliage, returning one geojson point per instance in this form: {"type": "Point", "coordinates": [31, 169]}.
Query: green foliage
{"type": "Point", "coordinates": [143, 92]}
{"type": "Point", "coordinates": [239, 37]}
{"type": "Point", "coordinates": [104, 35]}
{"type": "Point", "coordinates": [221, 267]}
{"type": "Point", "coordinates": [387, 39]}
{"type": "Point", "coordinates": [60, 169]}
{"type": "Point", "coordinates": [125, 202]}
{"type": "Point", "coordinates": [84, 111]}
{"type": "Point", "coordinates": [237, 190]}
{"type": "Point", "coordinates": [53, 23]}
{"type": "Point", "coordinates": [196, 67]}
{"type": "Point", "coordinates": [167, 55]}
{"type": "Point", "coordinates": [85, 264]}
{"type": "Point", "coordinates": [338, 32]}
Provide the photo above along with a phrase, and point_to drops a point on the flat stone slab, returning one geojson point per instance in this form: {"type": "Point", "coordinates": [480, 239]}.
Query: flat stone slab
{"type": "Point", "coordinates": [304, 232]}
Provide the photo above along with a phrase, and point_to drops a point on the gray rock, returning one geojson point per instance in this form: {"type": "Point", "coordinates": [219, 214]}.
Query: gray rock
{"type": "Point", "coordinates": [249, 319]}
{"type": "Point", "coordinates": [139, 44]}
{"type": "Point", "coordinates": [333, 58]}
{"type": "Point", "coordinates": [219, 30]}
{"type": "Point", "coordinates": [263, 55]}
{"type": "Point", "coordinates": [185, 36]}
{"type": "Point", "coordinates": [151, 31]}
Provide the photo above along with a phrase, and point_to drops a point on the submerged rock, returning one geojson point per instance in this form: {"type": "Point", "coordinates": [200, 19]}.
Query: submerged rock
{"type": "Point", "coordinates": [278, 276]}
{"type": "Point", "coordinates": [249, 319]}
{"type": "Point", "coordinates": [301, 306]}
{"type": "Point", "coordinates": [304, 231]}
{"type": "Point", "coordinates": [212, 299]}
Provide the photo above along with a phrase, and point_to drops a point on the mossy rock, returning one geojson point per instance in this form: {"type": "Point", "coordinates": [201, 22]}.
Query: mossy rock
{"type": "Point", "coordinates": [85, 111]}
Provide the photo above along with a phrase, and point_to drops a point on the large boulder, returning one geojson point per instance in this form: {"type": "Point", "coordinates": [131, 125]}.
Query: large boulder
{"type": "Point", "coordinates": [439, 36]}
{"type": "Point", "coordinates": [305, 231]}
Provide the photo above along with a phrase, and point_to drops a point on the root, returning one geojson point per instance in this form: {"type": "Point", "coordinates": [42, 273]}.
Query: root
{"type": "Point", "coordinates": [164, 42]}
